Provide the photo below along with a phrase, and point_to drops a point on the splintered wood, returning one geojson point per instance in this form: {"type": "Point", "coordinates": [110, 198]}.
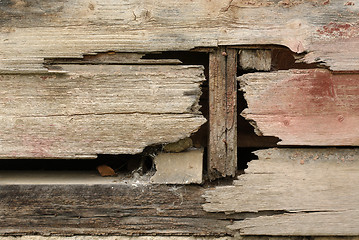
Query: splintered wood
{"type": "Point", "coordinates": [304, 107]}
{"type": "Point", "coordinates": [294, 192]}
{"type": "Point", "coordinates": [98, 110]}
{"type": "Point", "coordinates": [32, 31]}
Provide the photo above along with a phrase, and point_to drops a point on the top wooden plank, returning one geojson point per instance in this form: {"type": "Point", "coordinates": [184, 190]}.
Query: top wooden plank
{"type": "Point", "coordinates": [33, 30]}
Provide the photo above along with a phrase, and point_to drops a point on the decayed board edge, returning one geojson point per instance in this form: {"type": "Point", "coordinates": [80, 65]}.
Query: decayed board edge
{"type": "Point", "coordinates": [222, 147]}
{"type": "Point", "coordinates": [87, 27]}
{"type": "Point", "coordinates": [294, 192]}
{"type": "Point", "coordinates": [75, 115]}
{"type": "Point", "coordinates": [303, 107]}
{"type": "Point", "coordinates": [119, 208]}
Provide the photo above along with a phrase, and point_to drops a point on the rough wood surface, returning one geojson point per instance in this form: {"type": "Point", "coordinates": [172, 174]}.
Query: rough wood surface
{"type": "Point", "coordinates": [259, 59]}
{"type": "Point", "coordinates": [294, 192]}
{"type": "Point", "coordinates": [97, 110]}
{"type": "Point", "coordinates": [121, 238]}
{"type": "Point", "coordinates": [222, 148]}
{"type": "Point", "coordinates": [304, 107]}
{"type": "Point", "coordinates": [33, 30]}
{"type": "Point", "coordinates": [113, 208]}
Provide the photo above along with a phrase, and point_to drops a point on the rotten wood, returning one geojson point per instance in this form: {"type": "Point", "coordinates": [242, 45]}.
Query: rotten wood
{"type": "Point", "coordinates": [33, 31]}
{"type": "Point", "coordinates": [98, 110]}
{"type": "Point", "coordinates": [294, 192]}
{"type": "Point", "coordinates": [304, 107]}
{"type": "Point", "coordinates": [92, 205]}
{"type": "Point", "coordinates": [222, 148]}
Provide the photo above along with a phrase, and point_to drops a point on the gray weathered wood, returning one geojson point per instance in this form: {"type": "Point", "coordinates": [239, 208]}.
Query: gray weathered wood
{"type": "Point", "coordinates": [93, 206]}
{"type": "Point", "coordinates": [97, 110]}
{"type": "Point", "coordinates": [294, 192]}
{"type": "Point", "coordinates": [251, 59]}
{"type": "Point", "coordinates": [222, 148]}
{"type": "Point", "coordinates": [304, 107]}
{"type": "Point", "coordinates": [32, 30]}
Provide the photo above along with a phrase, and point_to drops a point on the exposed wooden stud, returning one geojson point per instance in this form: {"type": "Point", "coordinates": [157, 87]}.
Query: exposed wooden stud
{"type": "Point", "coordinates": [222, 149]}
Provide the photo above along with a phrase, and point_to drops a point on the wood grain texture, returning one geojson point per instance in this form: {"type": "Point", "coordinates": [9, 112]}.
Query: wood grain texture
{"type": "Point", "coordinates": [304, 107]}
{"type": "Point", "coordinates": [32, 30]}
{"type": "Point", "coordinates": [294, 192]}
{"type": "Point", "coordinates": [258, 59]}
{"type": "Point", "coordinates": [222, 148]}
{"type": "Point", "coordinates": [98, 110]}
{"type": "Point", "coordinates": [134, 208]}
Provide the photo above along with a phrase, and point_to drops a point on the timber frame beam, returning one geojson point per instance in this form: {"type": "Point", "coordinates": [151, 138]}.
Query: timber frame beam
{"type": "Point", "coordinates": [222, 149]}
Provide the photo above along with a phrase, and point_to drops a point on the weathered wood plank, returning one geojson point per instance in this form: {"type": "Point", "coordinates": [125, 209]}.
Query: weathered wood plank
{"type": "Point", "coordinates": [304, 107]}
{"type": "Point", "coordinates": [294, 192]}
{"type": "Point", "coordinates": [255, 59]}
{"type": "Point", "coordinates": [98, 110]}
{"type": "Point", "coordinates": [222, 148]}
{"type": "Point", "coordinates": [121, 238]}
{"type": "Point", "coordinates": [108, 207]}
{"type": "Point", "coordinates": [32, 30]}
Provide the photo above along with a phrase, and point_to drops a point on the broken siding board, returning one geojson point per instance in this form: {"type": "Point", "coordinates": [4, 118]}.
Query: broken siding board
{"type": "Point", "coordinates": [98, 110]}
{"type": "Point", "coordinates": [32, 30]}
{"type": "Point", "coordinates": [304, 107]}
{"type": "Point", "coordinates": [222, 148]}
{"type": "Point", "coordinates": [106, 206]}
{"type": "Point", "coordinates": [294, 192]}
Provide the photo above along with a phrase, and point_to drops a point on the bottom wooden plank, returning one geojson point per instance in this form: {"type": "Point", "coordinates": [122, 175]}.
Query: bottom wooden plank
{"type": "Point", "coordinates": [294, 192]}
{"type": "Point", "coordinates": [102, 206]}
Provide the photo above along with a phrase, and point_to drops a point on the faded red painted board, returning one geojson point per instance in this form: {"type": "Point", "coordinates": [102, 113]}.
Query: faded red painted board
{"type": "Point", "coordinates": [304, 107]}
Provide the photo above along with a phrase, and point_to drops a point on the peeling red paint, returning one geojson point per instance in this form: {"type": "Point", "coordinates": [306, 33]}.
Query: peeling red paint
{"type": "Point", "coordinates": [342, 30]}
{"type": "Point", "coordinates": [349, 4]}
{"type": "Point", "coordinates": [308, 107]}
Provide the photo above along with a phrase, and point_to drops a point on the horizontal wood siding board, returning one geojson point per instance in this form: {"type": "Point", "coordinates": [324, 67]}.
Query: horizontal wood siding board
{"type": "Point", "coordinates": [294, 192]}
{"type": "Point", "coordinates": [304, 107]}
{"type": "Point", "coordinates": [98, 110]}
{"type": "Point", "coordinates": [114, 209]}
{"type": "Point", "coordinates": [32, 31]}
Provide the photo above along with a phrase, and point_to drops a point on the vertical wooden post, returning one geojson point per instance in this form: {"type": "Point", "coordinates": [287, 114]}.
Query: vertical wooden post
{"type": "Point", "coordinates": [222, 149]}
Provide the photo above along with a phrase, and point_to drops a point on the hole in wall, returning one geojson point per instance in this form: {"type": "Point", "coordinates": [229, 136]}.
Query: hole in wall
{"type": "Point", "coordinates": [285, 59]}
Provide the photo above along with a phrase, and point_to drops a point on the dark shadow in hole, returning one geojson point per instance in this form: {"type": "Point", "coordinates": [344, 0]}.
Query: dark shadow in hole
{"type": "Point", "coordinates": [120, 163]}
{"type": "Point", "coordinates": [285, 59]}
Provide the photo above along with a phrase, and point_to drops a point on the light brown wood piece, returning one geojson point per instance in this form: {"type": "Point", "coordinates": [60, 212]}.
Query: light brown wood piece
{"type": "Point", "coordinates": [304, 107]}
{"type": "Point", "coordinates": [222, 148]}
{"type": "Point", "coordinates": [98, 110]}
{"type": "Point", "coordinates": [251, 59]}
{"type": "Point", "coordinates": [34, 30]}
{"type": "Point", "coordinates": [294, 192]}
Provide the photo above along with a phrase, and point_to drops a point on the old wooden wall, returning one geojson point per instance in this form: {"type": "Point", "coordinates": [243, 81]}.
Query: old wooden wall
{"type": "Point", "coordinates": [57, 101]}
